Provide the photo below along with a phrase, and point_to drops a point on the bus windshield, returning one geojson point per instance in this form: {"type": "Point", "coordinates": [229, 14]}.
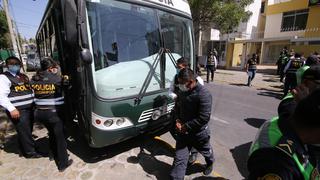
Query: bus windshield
{"type": "Point", "coordinates": [125, 42]}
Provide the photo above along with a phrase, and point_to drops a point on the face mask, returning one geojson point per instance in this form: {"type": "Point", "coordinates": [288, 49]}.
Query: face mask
{"type": "Point", "coordinates": [178, 70]}
{"type": "Point", "coordinates": [183, 87]}
{"type": "Point", "coordinates": [14, 69]}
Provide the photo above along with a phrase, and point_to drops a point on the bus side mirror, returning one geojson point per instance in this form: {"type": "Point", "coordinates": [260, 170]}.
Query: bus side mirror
{"type": "Point", "coordinates": [86, 56]}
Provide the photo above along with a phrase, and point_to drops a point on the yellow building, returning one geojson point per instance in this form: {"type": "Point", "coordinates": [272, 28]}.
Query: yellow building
{"type": "Point", "coordinates": [291, 23]}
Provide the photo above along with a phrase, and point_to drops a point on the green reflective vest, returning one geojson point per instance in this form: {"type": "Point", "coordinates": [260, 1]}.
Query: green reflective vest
{"type": "Point", "coordinates": [300, 73]}
{"type": "Point", "coordinates": [269, 136]}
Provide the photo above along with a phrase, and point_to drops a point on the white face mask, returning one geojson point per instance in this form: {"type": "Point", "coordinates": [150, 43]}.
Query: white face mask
{"type": "Point", "coordinates": [183, 87]}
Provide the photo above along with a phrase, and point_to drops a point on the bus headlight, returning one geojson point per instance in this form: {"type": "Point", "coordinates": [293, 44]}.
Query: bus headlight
{"type": "Point", "coordinates": [110, 123]}
{"type": "Point", "coordinates": [120, 121]}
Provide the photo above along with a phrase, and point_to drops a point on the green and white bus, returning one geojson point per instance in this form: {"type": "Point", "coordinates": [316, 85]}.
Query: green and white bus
{"type": "Point", "coordinates": [120, 56]}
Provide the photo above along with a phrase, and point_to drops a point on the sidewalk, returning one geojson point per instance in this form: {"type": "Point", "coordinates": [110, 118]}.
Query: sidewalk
{"type": "Point", "coordinates": [265, 78]}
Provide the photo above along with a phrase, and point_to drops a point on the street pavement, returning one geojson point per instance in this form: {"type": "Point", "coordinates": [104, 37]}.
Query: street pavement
{"type": "Point", "coordinates": [237, 113]}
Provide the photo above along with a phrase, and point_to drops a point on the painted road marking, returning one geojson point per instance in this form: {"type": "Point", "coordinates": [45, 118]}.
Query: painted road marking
{"type": "Point", "coordinates": [219, 120]}
{"type": "Point", "coordinates": [170, 145]}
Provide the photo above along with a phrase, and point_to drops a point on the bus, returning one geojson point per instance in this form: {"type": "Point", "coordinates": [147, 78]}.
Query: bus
{"type": "Point", "coordinates": [120, 57]}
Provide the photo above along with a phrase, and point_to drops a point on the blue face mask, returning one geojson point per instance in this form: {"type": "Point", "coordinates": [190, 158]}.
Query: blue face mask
{"type": "Point", "coordinates": [14, 69]}
{"type": "Point", "coordinates": [178, 70]}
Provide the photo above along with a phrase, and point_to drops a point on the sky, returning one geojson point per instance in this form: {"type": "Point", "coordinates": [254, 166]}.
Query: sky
{"type": "Point", "coordinates": [27, 15]}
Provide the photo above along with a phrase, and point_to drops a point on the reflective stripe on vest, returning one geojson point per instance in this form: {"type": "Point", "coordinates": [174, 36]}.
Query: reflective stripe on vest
{"type": "Point", "coordinates": [269, 137]}
{"type": "Point", "coordinates": [300, 73]}
{"type": "Point", "coordinates": [21, 100]}
{"type": "Point", "coordinates": [288, 96]}
{"type": "Point", "coordinates": [49, 102]}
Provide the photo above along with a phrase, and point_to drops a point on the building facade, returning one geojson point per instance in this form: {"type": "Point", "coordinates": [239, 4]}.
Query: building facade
{"type": "Point", "coordinates": [294, 24]}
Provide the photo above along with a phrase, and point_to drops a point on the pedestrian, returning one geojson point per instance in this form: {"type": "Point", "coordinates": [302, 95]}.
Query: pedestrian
{"type": "Point", "coordinates": [211, 65]}
{"type": "Point", "coordinates": [284, 61]}
{"type": "Point", "coordinates": [290, 73]}
{"type": "Point", "coordinates": [193, 115]}
{"type": "Point", "coordinates": [251, 68]}
{"type": "Point", "coordinates": [16, 97]}
{"type": "Point", "coordinates": [49, 100]}
{"type": "Point", "coordinates": [280, 151]}
{"type": "Point", "coordinates": [174, 91]}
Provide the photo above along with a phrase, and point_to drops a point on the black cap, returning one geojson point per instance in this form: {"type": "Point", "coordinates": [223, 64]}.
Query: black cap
{"type": "Point", "coordinates": [313, 73]}
{"type": "Point", "coordinates": [182, 60]}
{"type": "Point", "coordinates": [46, 63]}
{"type": "Point", "coordinates": [307, 112]}
{"type": "Point", "coordinates": [312, 60]}
{"type": "Point", "coordinates": [12, 58]}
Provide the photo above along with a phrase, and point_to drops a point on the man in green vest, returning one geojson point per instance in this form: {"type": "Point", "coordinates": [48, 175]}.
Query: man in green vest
{"type": "Point", "coordinates": [309, 79]}
{"type": "Point", "coordinates": [279, 150]}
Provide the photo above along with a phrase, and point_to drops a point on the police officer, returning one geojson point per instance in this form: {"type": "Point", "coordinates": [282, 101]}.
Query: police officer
{"type": "Point", "coordinates": [16, 97]}
{"type": "Point", "coordinates": [49, 100]}
{"type": "Point", "coordinates": [193, 115]}
{"type": "Point", "coordinates": [251, 68]}
{"type": "Point", "coordinates": [211, 65]}
{"type": "Point", "coordinates": [290, 72]}
{"type": "Point", "coordinates": [307, 78]}
{"type": "Point", "coordinates": [280, 151]}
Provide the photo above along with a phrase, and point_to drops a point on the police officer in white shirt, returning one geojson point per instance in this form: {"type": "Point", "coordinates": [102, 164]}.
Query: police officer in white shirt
{"type": "Point", "coordinates": [16, 96]}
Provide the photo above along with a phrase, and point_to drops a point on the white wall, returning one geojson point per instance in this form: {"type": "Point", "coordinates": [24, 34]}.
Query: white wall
{"type": "Point", "coordinates": [271, 2]}
{"type": "Point", "coordinates": [273, 28]}
{"type": "Point", "coordinates": [251, 30]}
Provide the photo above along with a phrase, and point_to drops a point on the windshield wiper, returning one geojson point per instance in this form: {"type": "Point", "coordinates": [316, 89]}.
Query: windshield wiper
{"type": "Point", "coordinates": [147, 81]}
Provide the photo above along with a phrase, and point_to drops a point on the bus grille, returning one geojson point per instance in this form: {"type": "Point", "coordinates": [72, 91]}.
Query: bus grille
{"type": "Point", "coordinates": [146, 115]}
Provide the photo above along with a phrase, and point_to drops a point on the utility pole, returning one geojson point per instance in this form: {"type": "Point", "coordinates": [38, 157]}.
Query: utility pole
{"type": "Point", "coordinates": [13, 41]}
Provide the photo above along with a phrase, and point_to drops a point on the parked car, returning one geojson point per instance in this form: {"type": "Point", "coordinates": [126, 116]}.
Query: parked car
{"type": "Point", "coordinates": [33, 62]}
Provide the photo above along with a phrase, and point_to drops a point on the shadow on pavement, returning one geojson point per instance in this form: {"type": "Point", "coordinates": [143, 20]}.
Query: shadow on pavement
{"type": "Point", "coordinates": [271, 93]}
{"type": "Point", "coordinates": [151, 164]}
{"type": "Point", "coordinates": [240, 156]}
{"type": "Point", "coordinates": [238, 84]}
{"type": "Point", "coordinates": [255, 122]}
{"type": "Point", "coordinates": [78, 146]}
{"type": "Point", "coordinates": [11, 141]}
{"type": "Point", "coordinates": [208, 178]}
{"type": "Point", "coordinates": [267, 71]}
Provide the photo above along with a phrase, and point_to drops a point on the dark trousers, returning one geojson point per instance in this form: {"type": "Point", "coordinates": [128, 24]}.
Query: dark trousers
{"type": "Point", "coordinates": [58, 145]}
{"type": "Point", "coordinates": [201, 142]}
{"type": "Point", "coordinates": [24, 126]}
{"type": "Point", "coordinates": [250, 78]}
{"type": "Point", "coordinates": [210, 69]}
{"type": "Point", "coordinates": [290, 82]}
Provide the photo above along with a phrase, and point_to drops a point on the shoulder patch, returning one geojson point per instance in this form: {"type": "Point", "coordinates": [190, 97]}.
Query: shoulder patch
{"type": "Point", "coordinates": [270, 176]}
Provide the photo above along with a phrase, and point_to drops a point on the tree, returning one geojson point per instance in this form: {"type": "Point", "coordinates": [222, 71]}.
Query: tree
{"type": "Point", "coordinates": [224, 15]}
{"type": "Point", "coordinates": [4, 31]}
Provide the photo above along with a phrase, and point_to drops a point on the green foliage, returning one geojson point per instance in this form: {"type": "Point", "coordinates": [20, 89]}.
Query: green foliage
{"type": "Point", "coordinates": [4, 36]}
{"type": "Point", "coordinates": [224, 15]}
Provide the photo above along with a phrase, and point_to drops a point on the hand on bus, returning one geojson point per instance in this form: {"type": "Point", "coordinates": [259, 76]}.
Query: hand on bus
{"type": "Point", "coordinates": [15, 114]}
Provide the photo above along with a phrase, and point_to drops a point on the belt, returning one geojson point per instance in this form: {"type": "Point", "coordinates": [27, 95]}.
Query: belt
{"type": "Point", "coordinates": [46, 109]}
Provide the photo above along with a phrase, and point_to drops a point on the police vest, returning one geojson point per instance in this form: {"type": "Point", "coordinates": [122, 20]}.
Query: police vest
{"type": "Point", "coordinates": [252, 63]}
{"type": "Point", "coordinates": [21, 95]}
{"type": "Point", "coordinates": [270, 136]}
{"type": "Point", "coordinates": [295, 65]}
{"type": "Point", "coordinates": [300, 73]}
{"type": "Point", "coordinates": [211, 60]}
{"type": "Point", "coordinates": [48, 91]}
